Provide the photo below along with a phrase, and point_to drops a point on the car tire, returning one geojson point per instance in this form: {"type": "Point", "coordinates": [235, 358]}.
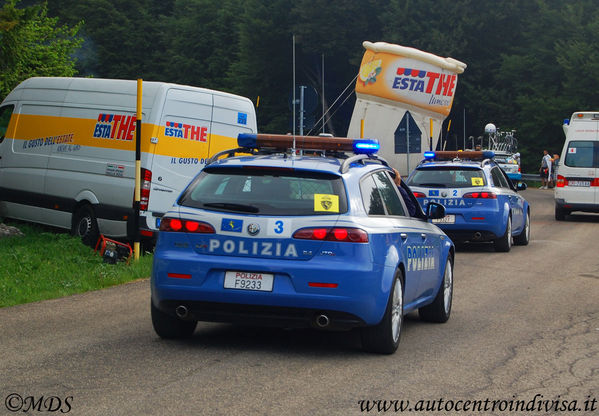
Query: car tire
{"type": "Point", "coordinates": [523, 238]}
{"type": "Point", "coordinates": [440, 310]}
{"type": "Point", "coordinates": [560, 213]}
{"type": "Point", "coordinates": [85, 225]}
{"type": "Point", "coordinates": [384, 337]}
{"type": "Point", "coordinates": [170, 327]}
{"type": "Point", "coordinates": [504, 243]}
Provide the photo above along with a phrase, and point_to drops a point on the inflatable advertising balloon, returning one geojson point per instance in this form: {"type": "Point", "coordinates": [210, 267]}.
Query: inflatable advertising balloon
{"type": "Point", "coordinates": [403, 96]}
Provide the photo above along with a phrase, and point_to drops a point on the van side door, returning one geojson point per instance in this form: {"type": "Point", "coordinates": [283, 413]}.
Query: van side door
{"type": "Point", "coordinates": [181, 148]}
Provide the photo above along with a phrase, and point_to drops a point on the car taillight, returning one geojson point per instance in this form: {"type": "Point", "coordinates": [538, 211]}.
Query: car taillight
{"type": "Point", "coordinates": [595, 182]}
{"type": "Point", "coordinates": [342, 234]}
{"type": "Point", "coordinates": [419, 194]}
{"type": "Point", "coordinates": [561, 181]}
{"type": "Point", "coordinates": [185, 226]}
{"type": "Point", "coordinates": [146, 183]}
{"type": "Point", "coordinates": [484, 194]}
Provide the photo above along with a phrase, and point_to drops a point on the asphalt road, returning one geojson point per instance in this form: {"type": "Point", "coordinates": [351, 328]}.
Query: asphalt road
{"type": "Point", "coordinates": [524, 326]}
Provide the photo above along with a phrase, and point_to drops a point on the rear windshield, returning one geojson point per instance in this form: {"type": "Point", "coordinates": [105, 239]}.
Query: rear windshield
{"type": "Point", "coordinates": [582, 154]}
{"type": "Point", "coordinates": [447, 177]}
{"type": "Point", "coordinates": [266, 192]}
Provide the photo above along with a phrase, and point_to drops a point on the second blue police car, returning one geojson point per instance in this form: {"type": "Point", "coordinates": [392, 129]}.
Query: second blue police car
{"type": "Point", "coordinates": [323, 240]}
{"type": "Point", "coordinates": [481, 202]}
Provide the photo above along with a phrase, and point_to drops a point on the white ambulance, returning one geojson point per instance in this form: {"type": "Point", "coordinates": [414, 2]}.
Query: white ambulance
{"type": "Point", "coordinates": [577, 184]}
{"type": "Point", "coordinates": [67, 150]}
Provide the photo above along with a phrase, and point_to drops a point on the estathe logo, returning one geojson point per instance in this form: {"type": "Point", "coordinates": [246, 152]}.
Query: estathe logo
{"type": "Point", "coordinates": [425, 81]}
{"type": "Point", "coordinates": [115, 126]}
{"type": "Point", "coordinates": [186, 131]}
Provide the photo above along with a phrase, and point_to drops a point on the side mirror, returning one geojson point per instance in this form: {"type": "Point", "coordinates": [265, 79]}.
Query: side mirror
{"type": "Point", "coordinates": [435, 211]}
{"type": "Point", "coordinates": [521, 186]}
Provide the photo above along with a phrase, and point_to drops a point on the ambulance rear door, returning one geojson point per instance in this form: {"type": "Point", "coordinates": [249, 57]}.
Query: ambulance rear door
{"type": "Point", "coordinates": [579, 164]}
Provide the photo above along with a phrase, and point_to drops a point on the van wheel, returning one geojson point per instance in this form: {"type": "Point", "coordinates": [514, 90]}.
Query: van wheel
{"type": "Point", "coordinates": [504, 243]}
{"type": "Point", "coordinates": [560, 213]}
{"type": "Point", "coordinates": [383, 338]}
{"type": "Point", "coordinates": [440, 309]}
{"type": "Point", "coordinates": [85, 225]}
{"type": "Point", "coordinates": [170, 327]}
{"type": "Point", "coordinates": [524, 237]}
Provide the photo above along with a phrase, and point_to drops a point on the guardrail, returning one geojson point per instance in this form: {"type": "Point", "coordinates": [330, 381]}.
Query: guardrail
{"type": "Point", "coordinates": [531, 177]}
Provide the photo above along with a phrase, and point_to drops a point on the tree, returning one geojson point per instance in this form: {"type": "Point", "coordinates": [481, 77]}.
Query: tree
{"type": "Point", "coordinates": [202, 42]}
{"type": "Point", "coordinates": [31, 44]}
{"type": "Point", "coordinates": [264, 61]}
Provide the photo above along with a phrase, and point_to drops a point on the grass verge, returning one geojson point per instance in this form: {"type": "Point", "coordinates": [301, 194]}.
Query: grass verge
{"type": "Point", "coordinates": [46, 263]}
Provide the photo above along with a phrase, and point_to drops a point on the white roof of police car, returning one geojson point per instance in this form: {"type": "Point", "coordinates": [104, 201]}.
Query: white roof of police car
{"type": "Point", "coordinates": [325, 164]}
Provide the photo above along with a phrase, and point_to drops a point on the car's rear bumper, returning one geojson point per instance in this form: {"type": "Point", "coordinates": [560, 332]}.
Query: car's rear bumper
{"type": "Point", "coordinates": [261, 315]}
{"type": "Point", "coordinates": [471, 235]}
{"type": "Point", "coordinates": [569, 206]}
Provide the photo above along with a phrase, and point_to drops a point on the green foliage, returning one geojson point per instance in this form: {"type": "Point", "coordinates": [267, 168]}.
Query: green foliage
{"type": "Point", "coordinates": [531, 63]}
{"type": "Point", "coordinates": [32, 44]}
{"type": "Point", "coordinates": [46, 264]}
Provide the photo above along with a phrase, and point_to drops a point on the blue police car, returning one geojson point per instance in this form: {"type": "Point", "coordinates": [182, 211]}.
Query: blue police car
{"type": "Point", "coordinates": [322, 240]}
{"type": "Point", "coordinates": [481, 202]}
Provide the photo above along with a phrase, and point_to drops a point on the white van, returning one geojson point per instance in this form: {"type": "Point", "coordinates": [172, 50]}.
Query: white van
{"type": "Point", "coordinates": [577, 185]}
{"type": "Point", "coordinates": [67, 150]}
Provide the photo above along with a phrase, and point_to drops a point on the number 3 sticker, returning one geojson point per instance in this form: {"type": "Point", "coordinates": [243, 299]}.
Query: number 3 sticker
{"type": "Point", "coordinates": [279, 228]}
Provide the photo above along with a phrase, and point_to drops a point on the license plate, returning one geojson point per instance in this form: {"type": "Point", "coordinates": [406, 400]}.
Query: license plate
{"type": "Point", "coordinates": [579, 183]}
{"type": "Point", "coordinates": [448, 219]}
{"type": "Point", "coordinates": [249, 281]}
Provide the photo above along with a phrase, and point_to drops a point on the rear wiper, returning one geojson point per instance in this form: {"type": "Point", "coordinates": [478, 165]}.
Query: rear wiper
{"type": "Point", "coordinates": [433, 185]}
{"type": "Point", "coordinates": [232, 207]}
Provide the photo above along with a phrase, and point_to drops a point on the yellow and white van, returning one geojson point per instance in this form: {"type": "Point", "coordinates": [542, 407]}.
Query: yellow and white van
{"type": "Point", "coordinates": [577, 184]}
{"type": "Point", "coordinates": [67, 149]}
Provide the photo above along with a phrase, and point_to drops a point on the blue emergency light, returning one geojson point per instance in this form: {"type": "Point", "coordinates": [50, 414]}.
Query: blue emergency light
{"type": "Point", "coordinates": [366, 146]}
{"type": "Point", "coordinates": [429, 155]}
{"type": "Point", "coordinates": [247, 140]}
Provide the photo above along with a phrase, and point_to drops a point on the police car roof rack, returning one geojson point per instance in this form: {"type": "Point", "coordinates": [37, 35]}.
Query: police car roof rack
{"type": "Point", "coordinates": [486, 162]}
{"type": "Point", "coordinates": [458, 156]}
{"type": "Point", "coordinates": [231, 153]}
{"type": "Point", "coordinates": [363, 159]}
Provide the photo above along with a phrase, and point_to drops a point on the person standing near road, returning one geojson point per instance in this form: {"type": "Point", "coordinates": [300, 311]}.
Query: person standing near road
{"type": "Point", "coordinates": [545, 170]}
{"type": "Point", "coordinates": [554, 165]}
{"type": "Point", "coordinates": [411, 205]}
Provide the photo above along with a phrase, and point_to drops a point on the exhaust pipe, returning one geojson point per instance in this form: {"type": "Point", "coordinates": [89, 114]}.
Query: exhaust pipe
{"type": "Point", "coordinates": [322, 321]}
{"type": "Point", "coordinates": [181, 311]}
{"type": "Point", "coordinates": [477, 235]}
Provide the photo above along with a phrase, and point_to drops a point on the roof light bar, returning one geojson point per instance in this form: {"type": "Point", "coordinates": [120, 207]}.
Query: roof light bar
{"type": "Point", "coordinates": [286, 141]}
{"type": "Point", "coordinates": [458, 154]}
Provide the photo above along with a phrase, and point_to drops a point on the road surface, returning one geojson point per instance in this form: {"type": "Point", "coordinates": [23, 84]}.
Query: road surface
{"type": "Point", "coordinates": [524, 331]}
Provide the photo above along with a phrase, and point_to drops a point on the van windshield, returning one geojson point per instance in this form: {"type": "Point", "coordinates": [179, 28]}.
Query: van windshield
{"type": "Point", "coordinates": [582, 154]}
